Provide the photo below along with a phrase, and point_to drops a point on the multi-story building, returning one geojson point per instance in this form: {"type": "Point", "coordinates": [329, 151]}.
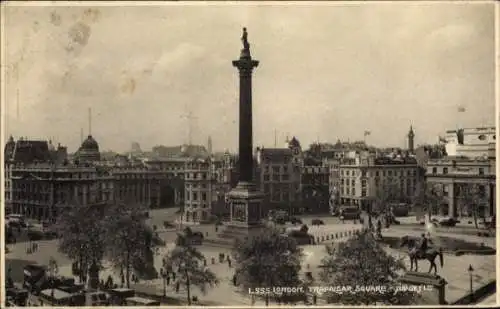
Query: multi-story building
{"type": "Point", "coordinates": [278, 176]}
{"type": "Point", "coordinates": [226, 178]}
{"type": "Point", "coordinates": [315, 187]}
{"type": "Point", "coordinates": [471, 142]}
{"type": "Point", "coordinates": [170, 174]}
{"type": "Point", "coordinates": [470, 164]}
{"type": "Point", "coordinates": [41, 182]}
{"type": "Point", "coordinates": [200, 190]}
{"type": "Point", "coordinates": [365, 175]}
{"type": "Point", "coordinates": [333, 166]}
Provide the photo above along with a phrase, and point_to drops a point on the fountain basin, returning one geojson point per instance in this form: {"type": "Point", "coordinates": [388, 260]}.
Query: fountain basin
{"type": "Point", "coordinates": [449, 245]}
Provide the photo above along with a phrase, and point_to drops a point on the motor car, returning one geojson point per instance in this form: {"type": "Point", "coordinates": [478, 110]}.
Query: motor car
{"type": "Point", "coordinates": [295, 220]}
{"type": "Point", "coordinates": [317, 222]}
{"type": "Point", "coordinates": [349, 213]}
{"type": "Point", "coordinates": [448, 221]}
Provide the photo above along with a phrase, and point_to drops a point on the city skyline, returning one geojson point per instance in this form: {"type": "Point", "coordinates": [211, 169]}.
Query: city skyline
{"type": "Point", "coordinates": [327, 71]}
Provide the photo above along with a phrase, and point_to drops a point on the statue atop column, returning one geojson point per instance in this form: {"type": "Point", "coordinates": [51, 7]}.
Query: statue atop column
{"type": "Point", "coordinates": [244, 39]}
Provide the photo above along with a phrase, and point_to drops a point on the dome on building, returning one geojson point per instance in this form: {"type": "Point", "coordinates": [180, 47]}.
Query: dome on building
{"type": "Point", "coordinates": [294, 142]}
{"type": "Point", "coordinates": [89, 151]}
{"type": "Point", "coordinates": [90, 144]}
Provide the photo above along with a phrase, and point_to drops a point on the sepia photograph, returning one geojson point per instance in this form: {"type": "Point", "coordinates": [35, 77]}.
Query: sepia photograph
{"type": "Point", "coordinates": [248, 154]}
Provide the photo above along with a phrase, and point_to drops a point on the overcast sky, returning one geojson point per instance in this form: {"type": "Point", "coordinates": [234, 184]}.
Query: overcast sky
{"type": "Point", "coordinates": [328, 70]}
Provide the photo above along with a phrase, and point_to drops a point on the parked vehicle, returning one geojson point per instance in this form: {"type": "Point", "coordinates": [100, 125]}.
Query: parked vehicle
{"type": "Point", "coordinates": [119, 295]}
{"type": "Point", "coordinates": [295, 220]}
{"type": "Point", "coordinates": [449, 221]}
{"type": "Point", "coordinates": [99, 298]}
{"type": "Point", "coordinates": [349, 213]}
{"type": "Point", "coordinates": [19, 297]}
{"type": "Point", "coordinates": [317, 222]}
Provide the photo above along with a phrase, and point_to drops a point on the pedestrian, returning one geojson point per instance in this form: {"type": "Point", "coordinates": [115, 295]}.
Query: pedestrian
{"type": "Point", "coordinates": [229, 261]}
{"type": "Point", "coordinates": [168, 279]}
{"type": "Point", "coordinates": [173, 275]}
{"type": "Point", "coordinates": [177, 286]}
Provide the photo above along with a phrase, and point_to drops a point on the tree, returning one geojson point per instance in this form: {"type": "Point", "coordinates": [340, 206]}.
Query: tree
{"type": "Point", "coordinates": [129, 244]}
{"type": "Point", "coordinates": [361, 261]}
{"type": "Point", "coordinates": [268, 260]}
{"type": "Point", "coordinates": [188, 260]}
{"type": "Point", "coordinates": [473, 196]}
{"type": "Point", "coordinates": [429, 199]}
{"type": "Point", "coordinates": [82, 231]}
{"type": "Point", "coordinates": [385, 194]}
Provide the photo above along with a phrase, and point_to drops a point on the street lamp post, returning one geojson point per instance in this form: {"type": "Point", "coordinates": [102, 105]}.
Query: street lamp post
{"type": "Point", "coordinates": [471, 270]}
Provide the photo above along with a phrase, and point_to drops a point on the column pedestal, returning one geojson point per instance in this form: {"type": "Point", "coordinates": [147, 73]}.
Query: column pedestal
{"type": "Point", "coordinates": [245, 205]}
{"type": "Point", "coordinates": [245, 202]}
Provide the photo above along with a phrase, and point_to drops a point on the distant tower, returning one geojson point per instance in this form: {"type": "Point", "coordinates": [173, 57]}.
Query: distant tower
{"type": "Point", "coordinates": [411, 140]}
{"type": "Point", "coordinates": [209, 145]}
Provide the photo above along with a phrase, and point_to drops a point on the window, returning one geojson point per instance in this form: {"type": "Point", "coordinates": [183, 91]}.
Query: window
{"type": "Point", "coordinates": [353, 182]}
{"type": "Point", "coordinates": [363, 173]}
{"type": "Point", "coordinates": [266, 177]}
{"type": "Point", "coordinates": [481, 191]}
{"type": "Point", "coordinates": [363, 193]}
{"type": "Point", "coordinates": [195, 196]}
{"type": "Point", "coordinates": [276, 177]}
{"type": "Point", "coordinates": [389, 173]}
{"type": "Point", "coordinates": [445, 190]}
{"type": "Point", "coordinates": [377, 173]}
{"type": "Point", "coordinates": [353, 191]}
{"type": "Point", "coordinates": [445, 170]}
{"type": "Point", "coordinates": [363, 183]}
{"type": "Point", "coordinates": [342, 181]}
{"type": "Point", "coordinates": [434, 171]}
{"type": "Point", "coordinates": [284, 177]}
{"type": "Point", "coordinates": [481, 171]}
{"type": "Point", "coordinates": [203, 196]}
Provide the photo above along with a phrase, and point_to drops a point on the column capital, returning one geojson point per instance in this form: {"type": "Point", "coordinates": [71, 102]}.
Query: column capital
{"type": "Point", "coordinates": [245, 64]}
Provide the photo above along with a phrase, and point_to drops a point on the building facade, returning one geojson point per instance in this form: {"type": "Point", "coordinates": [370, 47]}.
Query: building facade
{"type": "Point", "coordinates": [200, 190]}
{"type": "Point", "coordinates": [466, 177]}
{"type": "Point", "coordinates": [278, 175]}
{"type": "Point", "coordinates": [41, 182]}
{"type": "Point", "coordinates": [364, 177]}
{"type": "Point", "coordinates": [226, 178]}
{"type": "Point", "coordinates": [453, 177]}
{"type": "Point", "coordinates": [315, 188]}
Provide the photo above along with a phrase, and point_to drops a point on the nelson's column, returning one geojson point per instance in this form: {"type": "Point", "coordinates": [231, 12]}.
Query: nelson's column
{"type": "Point", "coordinates": [245, 199]}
